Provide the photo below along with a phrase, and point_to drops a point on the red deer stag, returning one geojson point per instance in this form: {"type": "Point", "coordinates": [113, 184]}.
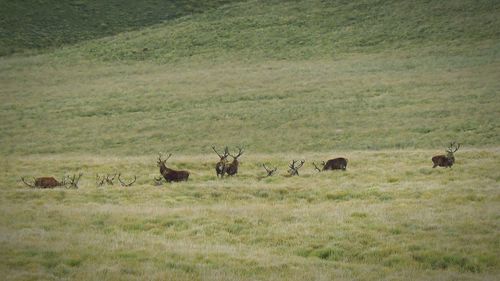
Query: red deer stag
{"type": "Point", "coordinates": [332, 164]}
{"type": "Point", "coordinates": [294, 167]}
{"type": "Point", "coordinates": [221, 166]}
{"type": "Point", "coordinates": [45, 182]}
{"type": "Point", "coordinates": [446, 160]}
{"type": "Point", "coordinates": [232, 168]}
{"type": "Point", "coordinates": [169, 174]}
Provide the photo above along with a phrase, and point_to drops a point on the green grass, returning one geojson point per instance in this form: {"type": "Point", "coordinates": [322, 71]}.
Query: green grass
{"type": "Point", "coordinates": [387, 84]}
{"type": "Point", "coordinates": [432, 224]}
{"type": "Point", "coordinates": [35, 25]}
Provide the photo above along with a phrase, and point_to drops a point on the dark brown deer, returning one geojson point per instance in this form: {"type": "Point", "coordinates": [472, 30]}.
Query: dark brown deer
{"type": "Point", "coordinates": [294, 167]}
{"type": "Point", "coordinates": [446, 160]}
{"type": "Point", "coordinates": [221, 166]}
{"type": "Point", "coordinates": [332, 164]}
{"type": "Point", "coordinates": [232, 168]}
{"type": "Point", "coordinates": [126, 184]}
{"type": "Point", "coordinates": [169, 174]}
{"type": "Point", "coordinates": [45, 182]}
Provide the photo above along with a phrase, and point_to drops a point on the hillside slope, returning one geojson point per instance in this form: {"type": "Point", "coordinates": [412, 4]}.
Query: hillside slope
{"type": "Point", "coordinates": [273, 76]}
{"type": "Point", "coordinates": [37, 25]}
{"type": "Point", "coordinates": [308, 29]}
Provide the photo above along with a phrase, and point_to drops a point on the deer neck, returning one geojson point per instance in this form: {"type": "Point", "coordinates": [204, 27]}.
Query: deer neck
{"type": "Point", "coordinates": [164, 169]}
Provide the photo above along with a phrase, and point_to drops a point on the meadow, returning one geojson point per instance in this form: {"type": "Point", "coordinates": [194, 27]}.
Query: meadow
{"type": "Point", "coordinates": [386, 84]}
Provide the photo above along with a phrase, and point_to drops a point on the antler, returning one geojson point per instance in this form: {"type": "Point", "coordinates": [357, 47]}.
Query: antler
{"type": "Point", "coordinates": [73, 181]}
{"type": "Point", "coordinates": [158, 180]}
{"type": "Point", "coordinates": [240, 151]}
{"type": "Point", "coordinates": [269, 171]}
{"type": "Point", "coordinates": [453, 147]}
{"type": "Point", "coordinates": [316, 167]}
{"type": "Point", "coordinates": [294, 170]}
{"type": "Point", "coordinates": [32, 186]}
{"type": "Point", "coordinates": [110, 180]}
{"type": "Point", "coordinates": [100, 181]}
{"type": "Point", "coordinates": [126, 184]}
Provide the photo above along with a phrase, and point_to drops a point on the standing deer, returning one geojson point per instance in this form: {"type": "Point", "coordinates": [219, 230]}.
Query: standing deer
{"type": "Point", "coordinates": [294, 169]}
{"type": "Point", "coordinates": [232, 168]}
{"type": "Point", "coordinates": [169, 174]}
{"type": "Point", "coordinates": [332, 164]}
{"type": "Point", "coordinates": [446, 160]}
{"type": "Point", "coordinates": [221, 166]}
{"type": "Point", "coordinates": [45, 182]}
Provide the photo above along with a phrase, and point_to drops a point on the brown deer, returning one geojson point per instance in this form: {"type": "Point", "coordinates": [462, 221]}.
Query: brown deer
{"type": "Point", "coordinates": [232, 168]}
{"type": "Point", "coordinates": [221, 166]}
{"type": "Point", "coordinates": [169, 174]}
{"type": "Point", "coordinates": [126, 184]}
{"type": "Point", "coordinates": [332, 164]}
{"type": "Point", "coordinates": [45, 182]}
{"type": "Point", "coordinates": [446, 160]}
{"type": "Point", "coordinates": [294, 167]}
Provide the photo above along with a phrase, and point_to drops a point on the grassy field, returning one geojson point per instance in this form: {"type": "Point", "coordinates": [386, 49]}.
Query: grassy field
{"type": "Point", "coordinates": [387, 84]}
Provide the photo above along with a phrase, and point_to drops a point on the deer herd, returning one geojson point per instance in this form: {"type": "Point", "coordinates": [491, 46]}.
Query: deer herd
{"type": "Point", "coordinates": [223, 167]}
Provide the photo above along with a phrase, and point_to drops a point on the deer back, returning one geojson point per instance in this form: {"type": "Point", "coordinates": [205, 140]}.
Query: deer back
{"type": "Point", "coordinates": [336, 164]}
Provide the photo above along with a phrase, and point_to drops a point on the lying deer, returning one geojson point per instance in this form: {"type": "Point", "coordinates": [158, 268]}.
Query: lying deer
{"type": "Point", "coordinates": [446, 160]}
{"type": "Point", "coordinates": [51, 182]}
{"type": "Point", "coordinates": [171, 175]}
{"type": "Point", "coordinates": [332, 164]}
{"type": "Point", "coordinates": [45, 182]}
{"type": "Point", "coordinates": [270, 172]}
{"type": "Point", "coordinates": [294, 167]}
{"type": "Point", "coordinates": [126, 184]}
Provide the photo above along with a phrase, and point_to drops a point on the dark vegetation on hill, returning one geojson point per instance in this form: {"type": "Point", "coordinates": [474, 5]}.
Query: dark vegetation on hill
{"type": "Point", "coordinates": [39, 24]}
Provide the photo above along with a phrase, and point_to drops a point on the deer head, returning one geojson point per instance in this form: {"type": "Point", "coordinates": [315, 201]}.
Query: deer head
{"type": "Point", "coordinates": [161, 163]}
{"type": "Point", "coordinates": [240, 152]}
{"type": "Point", "coordinates": [270, 172]}
{"type": "Point", "coordinates": [73, 181]}
{"type": "Point", "coordinates": [452, 149]}
{"type": "Point", "coordinates": [222, 156]}
{"type": "Point", "coordinates": [294, 167]}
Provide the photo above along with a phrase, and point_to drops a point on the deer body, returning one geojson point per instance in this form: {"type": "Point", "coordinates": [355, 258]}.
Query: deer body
{"type": "Point", "coordinates": [221, 166]}
{"type": "Point", "coordinates": [171, 175]}
{"type": "Point", "coordinates": [335, 164]}
{"type": "Point", "coordinates": [446, 160]}
{"type": "Point", "coordinates": [48, 182]}
{"type": "Point", "coordinates": [232, 168]}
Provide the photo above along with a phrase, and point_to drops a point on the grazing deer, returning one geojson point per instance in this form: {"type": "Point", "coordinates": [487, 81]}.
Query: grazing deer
{"type": "Point", "coordinates": [332, 164]}
{"type": "Point", "coordinates": [221, 166]}
{"type": "Point", "coordinates": [45, 182]}
{"type": "Point", "coordinates": [126, 184]}
{"type": "Point", "coordinates": [294, 169]}
{"type": "Point", "coordinates": [446, 160]}
{"type": "Point", "coordinates": [169, 174]}
{"type": "Point", "coordinates": [232, 168]}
